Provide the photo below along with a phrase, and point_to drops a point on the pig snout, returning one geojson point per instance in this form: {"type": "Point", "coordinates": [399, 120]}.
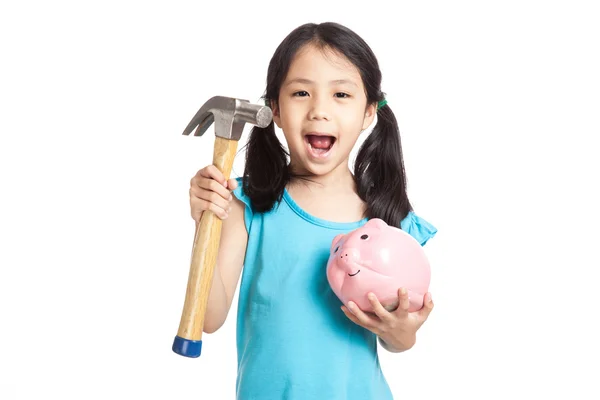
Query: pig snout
{"type": "Point", "coordinates": [348, 258]}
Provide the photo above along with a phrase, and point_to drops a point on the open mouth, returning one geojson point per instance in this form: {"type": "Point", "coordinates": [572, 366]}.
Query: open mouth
{"type": "Point", "coordinates": [319, 145]}
{"type": "Point", "coordinates": [354, 273]}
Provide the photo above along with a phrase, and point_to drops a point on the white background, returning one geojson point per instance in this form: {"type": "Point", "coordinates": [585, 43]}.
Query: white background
{"type": "Point", "coordinates": [498, 105]}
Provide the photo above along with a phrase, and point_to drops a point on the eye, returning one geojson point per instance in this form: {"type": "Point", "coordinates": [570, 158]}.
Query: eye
{"type": "Point", "coordinates": [336, 249]}
{"type": "Point", "coordinates": [301, 93]}
{"type": "Point", "coordinates": [341, 95]}
{"type": "Point", "coordinates": [364, 237]}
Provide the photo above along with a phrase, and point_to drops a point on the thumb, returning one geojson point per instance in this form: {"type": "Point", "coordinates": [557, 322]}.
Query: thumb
{"type": "Point", "coordinates": [232, 184]}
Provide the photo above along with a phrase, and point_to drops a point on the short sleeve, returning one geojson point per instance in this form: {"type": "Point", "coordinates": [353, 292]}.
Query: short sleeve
{"type": "Point", "coordinates": [248, 213]}
{"type": "Point", "coordinates": [418, 228]}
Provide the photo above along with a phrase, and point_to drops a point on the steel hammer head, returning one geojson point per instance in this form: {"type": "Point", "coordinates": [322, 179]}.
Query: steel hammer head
{"type": "Point", "coordinates": [229, 115]}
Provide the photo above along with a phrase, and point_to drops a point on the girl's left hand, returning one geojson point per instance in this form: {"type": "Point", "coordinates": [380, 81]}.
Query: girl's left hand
{"type": "Point", "coordinates": [398, 328]}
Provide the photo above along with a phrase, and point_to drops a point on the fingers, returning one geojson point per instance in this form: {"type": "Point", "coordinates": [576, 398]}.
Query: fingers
{"type": "Point", "coordinates": [199, 206]}
{"type": "Point", "coordinates": [350, 316]}
{"type": "Point", "coordinates": [427, 307]}
{"type": "Point", "coordinates": [209, 191]}
{"type": "Point", "coordinates": [212, 172]}
{"type": "Point", "coordinates": [360, 317]}
{"type": "Point", "coordinates": [213, 191]}
{"type": "Point", "coordinates": [378, 309]}
{"type": "Point", "coordinates": [403, 302]}
{"type": "Point", "coordinates": [211, 179]}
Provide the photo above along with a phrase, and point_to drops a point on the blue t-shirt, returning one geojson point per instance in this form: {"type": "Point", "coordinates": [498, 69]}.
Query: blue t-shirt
{"type": "Point", "coordinates": [293, 340]}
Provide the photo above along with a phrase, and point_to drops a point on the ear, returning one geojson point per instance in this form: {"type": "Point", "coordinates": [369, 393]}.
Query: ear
{"type": "Point", "coordinates": [377, 223]}
{"type": "Point", "coordinates": [335, 241]}
{"type": "Point", "coordinates": [369, 115]}
{"type": "Point", "coordinates": [276, 116]}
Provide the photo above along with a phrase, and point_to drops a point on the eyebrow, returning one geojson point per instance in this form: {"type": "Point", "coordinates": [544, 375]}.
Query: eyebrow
{"type": "Point", "coordinates": [334, 82]}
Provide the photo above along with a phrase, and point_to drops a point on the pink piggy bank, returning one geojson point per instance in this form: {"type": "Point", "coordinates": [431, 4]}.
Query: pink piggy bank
{"type": "Point", "coordinates": [378, 258]}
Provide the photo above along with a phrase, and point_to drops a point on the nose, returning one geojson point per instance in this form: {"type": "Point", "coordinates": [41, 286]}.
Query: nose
{"type": "Point", "coordinates": [347, 259]}
{"type": "Point", "coordinates": [319, 111]}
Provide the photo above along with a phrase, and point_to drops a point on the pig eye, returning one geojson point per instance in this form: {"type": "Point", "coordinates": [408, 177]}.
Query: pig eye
{"type": "Point", "coordinates": [364, 237]}
{"type": "Point", "coordinates": [336, 249]}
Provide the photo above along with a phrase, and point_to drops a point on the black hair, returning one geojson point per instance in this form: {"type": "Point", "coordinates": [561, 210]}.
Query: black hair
{"type": "Point", "coordinates": [379, 167]}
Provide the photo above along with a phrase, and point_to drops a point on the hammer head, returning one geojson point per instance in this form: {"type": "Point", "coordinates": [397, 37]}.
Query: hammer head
{"type": "Point", "coordinates": [229, 115]}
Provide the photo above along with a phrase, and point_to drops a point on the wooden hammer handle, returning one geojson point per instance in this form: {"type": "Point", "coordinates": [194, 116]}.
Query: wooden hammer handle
{"type": "Point", "coordinates": [188, 341]}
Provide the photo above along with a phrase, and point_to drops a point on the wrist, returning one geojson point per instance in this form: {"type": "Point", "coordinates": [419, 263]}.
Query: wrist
{"type": "Point", "coordinates": [398, 345]}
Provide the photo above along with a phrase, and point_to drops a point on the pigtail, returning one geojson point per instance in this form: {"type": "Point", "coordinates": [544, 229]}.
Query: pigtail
{"type": "Point", "coordinates": [266, 172]}
{"type": "Point", "coordinates": [379, 171]}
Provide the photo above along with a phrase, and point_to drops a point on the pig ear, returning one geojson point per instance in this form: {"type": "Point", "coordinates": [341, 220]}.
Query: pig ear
{"type": "Point", "coordinates": [335, 241]}
{"type": "Point", "coordinates": [377, 223]}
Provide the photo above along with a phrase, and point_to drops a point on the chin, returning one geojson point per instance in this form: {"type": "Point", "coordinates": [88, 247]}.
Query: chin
{"type": "Point", "coordinates": [322, 169]}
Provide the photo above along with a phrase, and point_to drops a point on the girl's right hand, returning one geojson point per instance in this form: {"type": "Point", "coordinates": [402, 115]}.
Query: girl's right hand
{"type": "Point", "coordinates": [210, 191]}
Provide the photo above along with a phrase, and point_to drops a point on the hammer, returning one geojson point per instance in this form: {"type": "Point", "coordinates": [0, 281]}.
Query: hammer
{"type": "Point", "coordinates": [229, 116]}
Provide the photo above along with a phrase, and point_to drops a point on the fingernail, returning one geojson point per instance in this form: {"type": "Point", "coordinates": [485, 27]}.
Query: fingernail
{"type": "Point", "coordinates": [403, 290]}
{"type": "Point", "coordinates": [225, 183]}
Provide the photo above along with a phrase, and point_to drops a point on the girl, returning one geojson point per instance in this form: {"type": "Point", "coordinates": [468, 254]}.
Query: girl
{"type": "Point", "coordinates": [293, 340]}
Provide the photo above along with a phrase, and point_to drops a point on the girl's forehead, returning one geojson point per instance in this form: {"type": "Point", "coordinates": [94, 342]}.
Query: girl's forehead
{"type": "Point", "coordinates": [315, 63]}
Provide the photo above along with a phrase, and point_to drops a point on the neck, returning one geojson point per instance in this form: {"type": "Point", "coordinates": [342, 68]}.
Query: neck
{"type": "Point", "coordinates": [339, 179]}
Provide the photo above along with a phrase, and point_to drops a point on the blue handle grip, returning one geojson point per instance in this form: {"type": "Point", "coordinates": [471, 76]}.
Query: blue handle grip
{"type": "Point", "coordinates": [186, 347]}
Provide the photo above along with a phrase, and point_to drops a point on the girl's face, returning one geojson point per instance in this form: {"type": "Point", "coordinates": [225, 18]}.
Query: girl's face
{"type": "Point", "coordinates": [322, 110]}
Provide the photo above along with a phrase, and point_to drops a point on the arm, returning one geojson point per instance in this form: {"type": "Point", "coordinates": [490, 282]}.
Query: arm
{"type": "Point", "coordinates": [404, 345]}
{"type": "Point", "coordinates": [230, 260]}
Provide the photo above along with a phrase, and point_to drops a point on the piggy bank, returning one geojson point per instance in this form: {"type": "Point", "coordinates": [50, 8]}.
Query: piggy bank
{"type": "Point", "coordinates": [378, 258]}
